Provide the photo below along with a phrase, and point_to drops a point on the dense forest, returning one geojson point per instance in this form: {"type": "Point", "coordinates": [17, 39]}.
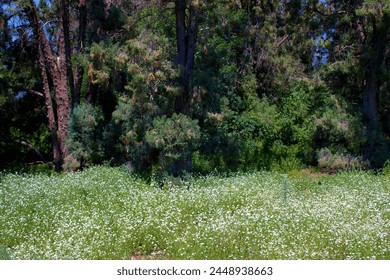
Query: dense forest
{"type": "Point", "coordinates": [194, 85]}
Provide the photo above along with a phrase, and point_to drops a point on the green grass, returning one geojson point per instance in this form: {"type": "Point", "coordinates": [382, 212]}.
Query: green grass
{"type": "Point", "coordinates": [105, 213]}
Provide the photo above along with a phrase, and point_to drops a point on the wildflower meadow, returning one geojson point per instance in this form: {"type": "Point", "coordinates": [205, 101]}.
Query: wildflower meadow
{"type": "Point", "coordinates": [107, 213]}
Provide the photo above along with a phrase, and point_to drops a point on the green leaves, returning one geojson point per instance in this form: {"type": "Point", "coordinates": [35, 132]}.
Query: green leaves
{"type": "Point", "coordinates": [272, 81]}
{"type": "Point", "coordinates": [84, 137]}
{"type": "Point", "coordinates": [175, 137]}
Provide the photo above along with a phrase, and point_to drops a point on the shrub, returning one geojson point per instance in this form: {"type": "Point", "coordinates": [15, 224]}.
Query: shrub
{"type": "Point", "coordinates": [84, 140]}
{"type": "Point", "coordinates": [332, 162]}
{"type": "Point", "coordinates": [336, 126]}
{"type": "Point", "coordinates": [46, 168]}
{"type": "Point", "coordinates": [70, 163]}
{"type": "Point", "coordinates": [386, 168]}
{"type": "Point", "coordinates": [311, 119]}
{"type": "Point", "coordinates": [148, 93]}
{"type": "Point", "coordinates": [175, 138]}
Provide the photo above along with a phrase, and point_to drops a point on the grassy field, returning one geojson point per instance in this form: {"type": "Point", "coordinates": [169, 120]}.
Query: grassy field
{"type": "Point", "coordinates": [105, 213]}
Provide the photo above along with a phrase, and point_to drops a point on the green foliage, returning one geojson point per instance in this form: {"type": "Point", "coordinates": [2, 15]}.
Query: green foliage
{"type": "Point", "coordinates": [296, 122]}
{"type": "Point", "coordinates": [275, 85]}
{"type": "Point", "coordinates": [115, 19]}
{"type": "Point", "coordinates": [149, 92]}
{"type": "Point", "coordinates": [336, 126]}
{"type": "Point", "coordinates": [39, 168]}
{"type": "Point", "coordinates": [357, 67]}
{"type": "Point", "coordinates": [281, 135]}
{"type": "Point", "coordinates": [279, 45]}
{"type": "Point", "coordinates": [286, 135]}
{"type": "Point", "coordinates": [312, 118]}
{"type": "Point", "coordinates": [22, 112]}
{"type": "Point", "coordinates": [4, 254]}
{"type": "Point", "coordinates": [84, 137]}
{"type": "Point", "coordinates": [380, 149]}
{"type": "Point", "coordinates": [101, 63]}
{"type": "Point", "coordinates": [386, 168]}
{"type": "Point", "coordinates": [175, 138]}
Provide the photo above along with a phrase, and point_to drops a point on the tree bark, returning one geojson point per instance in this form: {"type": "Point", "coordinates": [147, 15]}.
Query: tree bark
{"type": "Point", "coordinates": [180, 12]}
{"type": "Point", "coordinates": [50, 112]}
{"type": "Point", "coordinates": [62, 99]}
{"type": "Point", "coordinates": [370, 98]}
{"type": "Point", "coordinates": [78, 74]}
{"type": "Point", "coordinates": [186, 37]}
{"type": "Point", "coordinates": [375, 56]}
{"type": "Point", "coordinates": [57, 68]}
{"type": "Point", "coordinates": [64, 11]}
{"type": "Point", "coordinates": [372, 61]}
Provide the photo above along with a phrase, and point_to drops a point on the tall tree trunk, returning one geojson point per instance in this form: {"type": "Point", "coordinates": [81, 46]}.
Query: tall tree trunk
{"type": "Point", "coordinates": [50, 112]}
{"type": "Point", "coordinates": [370, 110]}
{"type": "Point", "coordinates": [57, 68]}
{"type": "Point", "coordinates": [78, 75]}
{"type": "Point", "coordinates": [62, 98]}
{"type": "Point", "coordinates": [370, 98]}
{"type": "Point", "coordinates": [186, 37]}
{"type": "Point", "coordinates": [64, 10]}
{"type": "Point", "coordinates": [180, 12]}
{"type": "Point", "coordinates": [371, 87]}
{"type": "Point", "coordinates": [372, 61]}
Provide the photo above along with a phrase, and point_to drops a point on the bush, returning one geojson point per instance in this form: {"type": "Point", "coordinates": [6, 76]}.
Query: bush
{"type": "Point", "coordinates": [336, 126]}
{"type": "Point", "coordinates": [84, 141]}
{"type": "Point", "coordinates": [333, 162]}
{"type": "Point", "coordinates": [311, 119]}
{"type": "Point", "coordinates": [148, 93]}
{"type": "Point", "coordinates": [45, 168]}
{"type": "Point", "coordinates": [386, 168]}
{"type": "Point", "coordinates": [175, 138]}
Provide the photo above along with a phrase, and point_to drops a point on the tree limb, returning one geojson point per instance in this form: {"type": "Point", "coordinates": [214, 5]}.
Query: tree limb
{"type": "Point", "coordinates": [31, 147]}
{"type": "Point", "coordinates": [327, 14]}
{"type": "Point", "coordinates": [40, 94]}
{"type": "Point", "coordinates": [283, 40]}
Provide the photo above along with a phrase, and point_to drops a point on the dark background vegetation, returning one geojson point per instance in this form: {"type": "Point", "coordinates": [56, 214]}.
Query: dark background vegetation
{"type": "Point", "coordinates": [194, 86]}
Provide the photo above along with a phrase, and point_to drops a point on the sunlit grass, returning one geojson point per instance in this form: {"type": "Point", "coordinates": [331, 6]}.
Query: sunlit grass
{"type": "Point", "coordinates": [105, 213]}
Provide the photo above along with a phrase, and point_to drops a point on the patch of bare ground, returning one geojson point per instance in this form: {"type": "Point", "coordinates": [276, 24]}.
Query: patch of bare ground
{"type": "Point", "coordinates": [159, 255]}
